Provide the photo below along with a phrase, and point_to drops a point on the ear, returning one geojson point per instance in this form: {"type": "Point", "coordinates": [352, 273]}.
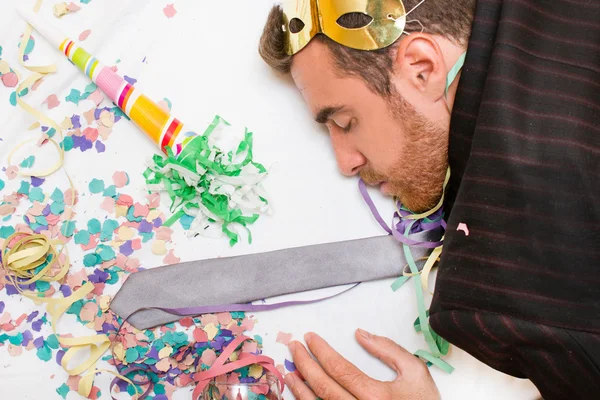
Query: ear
{"type": "Point", "coordinates": [420, 64]}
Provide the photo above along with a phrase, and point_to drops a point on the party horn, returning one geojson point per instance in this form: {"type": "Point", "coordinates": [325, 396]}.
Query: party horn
{"type": "Point", "coordinates": [159, 125]}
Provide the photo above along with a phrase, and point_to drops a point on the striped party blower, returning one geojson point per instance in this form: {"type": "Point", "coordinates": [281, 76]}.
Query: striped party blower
{"type": "Point", "coordinates": [209, 186]}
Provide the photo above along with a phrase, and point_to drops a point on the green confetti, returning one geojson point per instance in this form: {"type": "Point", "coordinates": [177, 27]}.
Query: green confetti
{"type": "Point", "coordinates": [29, 47]}
{"type": "Point", "coordinates": [91, 259]}
{"type": "Point", "coordinates": [130, 217]}
{"type": "Point", "coordinates": [108, 228]}
{"type": "Point", "coordinates": [57, 208]}
{"type": "Point", "coordinates": [258, 339]}
{"type": "Point", "coordinates": [90, 88]}
{"type": "Point", "coordinates": [67, 143]}
{"type": "Point", "coordinates": [44, 353]}
{"type": "Point", "coordinates": [159, 389]}
{"type": "Point", "coordinates": [52, 341]}
{"type": "Point", "coordinates": [106, 253]}
{"type": "Point", "coordinates": [16, 339]}
{"type": "Point", "coordinates": [131, 354]}
{"type": "Point", "coordinates": [110, 191]}
{"type": "Point", "coordinates": [13, 99]}
{"type": "Point", "coordinates": [40, 219]}
{"type": "Point", "coordinates": [96, 186]}
{"type": "Point", "coordinates": [6, 231]}
{"type": "Point", "coordinates": [24, 189]}
{"type": "Point", "coordinates": [75, 308]}
{"type": "Point", "coordinates": [68, 228]}
{"type": "Point", "coordinates": [50, 133]}
{"type": "Point", "coordinates": [28, 162]}
{"type": "Point", "coordinates": [82, 237]}
{"type": "Point", "coordinates": [238, 315]}
{"type": "Point", "coordinates": [36, 194]}
{"type": "Point", "coordinates": [63, 390]}
{"type": "Point", "coordinates": [58, 196]}
{"type": "Point", "coordinates": [74, 96]}
{"type": "Point", "coordinates": [42, 286]}
{"type": "Point", "coordinates": [146, 236]}
{"type": "Point", "coordinates": [114, 278]}
{"type": "Point", "coordinates": [94, 226]}
{"type": "Point", "coordinates": [1, 184]}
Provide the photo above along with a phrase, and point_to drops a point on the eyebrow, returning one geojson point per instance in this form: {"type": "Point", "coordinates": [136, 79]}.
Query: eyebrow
{"type": "Point", "coordinates": [326, 112]}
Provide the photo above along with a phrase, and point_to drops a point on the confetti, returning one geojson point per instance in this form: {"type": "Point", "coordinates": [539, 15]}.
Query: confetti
{"type": "Point", "coordinates": [463, 227]}
{"type": "Point", "coordinates": [170, 11]}
{"type": "Point", "coordinates": [120, 179]}
{"type": "Point", "coordinates": [84, 35]}
{"type": "Point", "coordinates": [96, 186]}
{"type": "Point", "coordinates": [158, 247]}
{"type": "Point", "coordinates": [284, 338]}
{"type": "Point", "coordinates": [290, 366]}
{"type": "Point", "coordinates": [171, 259]}
{"type": "Point", "coordinates": [10, 79]}
{"type": "Point", "coordinates": [52, 101]}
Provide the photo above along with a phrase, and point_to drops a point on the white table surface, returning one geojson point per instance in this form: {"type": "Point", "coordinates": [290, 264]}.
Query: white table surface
{"type": "Point", "coordinates": [205, 61]}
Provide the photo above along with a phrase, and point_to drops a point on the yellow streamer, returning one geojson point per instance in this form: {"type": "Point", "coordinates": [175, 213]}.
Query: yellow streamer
{"type": "Point", "coordinates": [31, 251]}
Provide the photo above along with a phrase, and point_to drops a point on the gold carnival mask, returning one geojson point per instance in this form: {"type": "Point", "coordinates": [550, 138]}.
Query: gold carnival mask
{"type": "Point", "coordinates": [303, 19]}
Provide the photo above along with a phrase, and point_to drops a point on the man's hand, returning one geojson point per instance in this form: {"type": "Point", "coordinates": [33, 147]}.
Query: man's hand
{"type": "Point", "coordinates": [336, 378]}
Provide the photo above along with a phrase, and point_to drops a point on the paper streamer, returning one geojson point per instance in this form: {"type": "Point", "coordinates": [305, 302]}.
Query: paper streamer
{"type": "Point", "coordinates": [403, 224]}
{"type": "Point", "coordinates": [30, 258]}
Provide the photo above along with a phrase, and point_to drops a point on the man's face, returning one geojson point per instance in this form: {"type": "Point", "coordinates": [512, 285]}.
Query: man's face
{"type": "Point", "coordinates": [388, 141]}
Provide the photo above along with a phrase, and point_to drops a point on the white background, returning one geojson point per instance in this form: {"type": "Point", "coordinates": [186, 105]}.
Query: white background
{"type": "Point", "coordinates": [205, 61]}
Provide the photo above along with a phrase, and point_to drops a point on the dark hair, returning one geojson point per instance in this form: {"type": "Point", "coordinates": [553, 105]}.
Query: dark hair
{"type": "Point", "coordinates": [449, 19]}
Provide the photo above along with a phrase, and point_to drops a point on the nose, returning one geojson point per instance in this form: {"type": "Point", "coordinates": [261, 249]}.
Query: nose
{"type": "Point", "coordinates": [350, 161]}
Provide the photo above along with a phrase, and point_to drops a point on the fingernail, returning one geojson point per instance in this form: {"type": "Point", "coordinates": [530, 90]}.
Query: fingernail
{"type": "Point", "coordinates": [308, 337]}
{"type": "Point", "coordinates": [364, 333]}
{"type": "Point", "coordinates": [290, 380]}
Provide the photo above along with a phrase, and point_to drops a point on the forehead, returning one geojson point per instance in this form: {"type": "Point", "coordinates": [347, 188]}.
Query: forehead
{"type": "Point", "coordinates": [314, 74]}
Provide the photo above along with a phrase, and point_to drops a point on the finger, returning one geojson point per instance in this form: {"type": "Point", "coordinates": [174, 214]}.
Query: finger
{"type": "Point", "coordinates": [320, 383]}
{"type": "Point", "coordinates": [299, 388]}
{"type": "Point", "coordinates": [393, 355]}
{"type": "Point", "coordinates": [343, 371]}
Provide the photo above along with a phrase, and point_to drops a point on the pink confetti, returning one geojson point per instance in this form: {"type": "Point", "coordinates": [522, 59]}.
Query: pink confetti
{"type": "Point", "coordinates": [96, 97]}
{"type": "Point", "coordinates": [171, 259]}
{"type": "Point", "coordinates": [73, 7]}
{"type": "Point", "coordinates": [284, 338]}
{"type": "Point", "coordinates": [108, 205]}
{"type": "Point", "coordinates": [208, 319]}
{"type": "Point", "coordinates": [11, 172]}
{"type": "Point", "coordinates": [14, 351]}
{"type": "Point", "coordinates": [208, 357]}
{"type": "Point", "coordinates": [200, 335]}
{"type": "Point", "coordinates": [164, 233]}
{"type": "Point", "coordinates": [170, 11]}
{"type": "Point", "coordinates": [84, 35]}
{"type": "Point", "coordinates": [463, 227]}
{"type": "Point", "coordinates": [224, 318]}
{"type": "Point", "coordinates": [153, 201]}
{"type": "Point", "coordinates": [10, 79]}
{"type": "Point", "coordinates": [52, 101]}
{"type": "Point", "coordinates": [120, 179]}
{"type": "Point", "coordinates": [249, 347]}
{"type": "Point", "coordinates": [89, 116]}
{"type": "Point", "coordinates": [88, 312]}
{"type": "Point", "coordinates": [90, 133]}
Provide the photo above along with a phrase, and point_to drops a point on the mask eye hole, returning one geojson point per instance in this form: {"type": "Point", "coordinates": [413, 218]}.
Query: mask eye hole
{"type": "Point", "coordinates": [354, 20]}
{"type": "Point", "coordinates": [296, 25]}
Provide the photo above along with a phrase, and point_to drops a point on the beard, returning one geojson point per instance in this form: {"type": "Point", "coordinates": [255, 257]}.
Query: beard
{"type": "Point", "coordinates": [417, 175]}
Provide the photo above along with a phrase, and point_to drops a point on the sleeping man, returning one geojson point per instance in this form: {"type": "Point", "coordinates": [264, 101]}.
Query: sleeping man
{"type": "Point", "coordinates": [505, 93]}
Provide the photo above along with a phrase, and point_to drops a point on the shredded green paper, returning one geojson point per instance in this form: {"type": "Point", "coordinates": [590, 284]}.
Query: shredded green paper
{"type": "Point", "coordinates": [213, 188]}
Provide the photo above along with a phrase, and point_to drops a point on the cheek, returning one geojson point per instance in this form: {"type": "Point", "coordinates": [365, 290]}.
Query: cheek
{"type": "Point", "coordinates": [382, 144]}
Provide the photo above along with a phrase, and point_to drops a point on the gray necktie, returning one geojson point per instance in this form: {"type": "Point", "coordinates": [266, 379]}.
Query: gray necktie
{"type": "Point", "coordinates": [259, 276]}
